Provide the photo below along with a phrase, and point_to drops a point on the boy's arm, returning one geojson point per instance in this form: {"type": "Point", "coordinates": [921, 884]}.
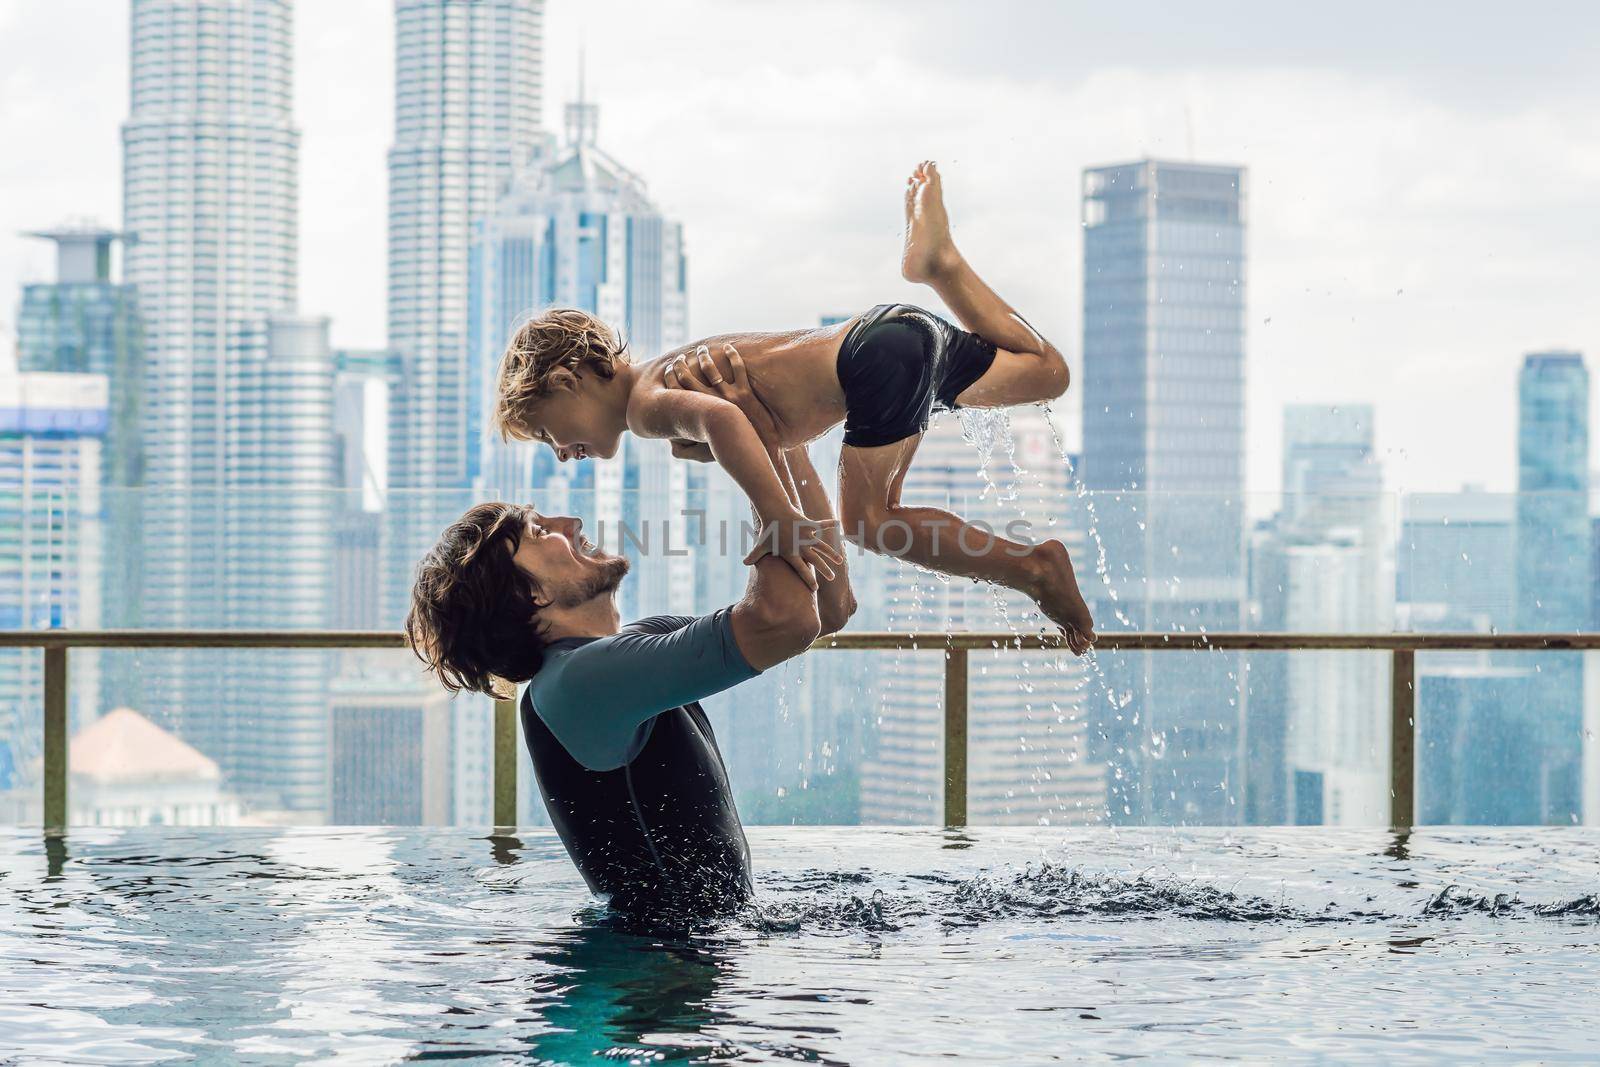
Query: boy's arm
{"type": "Point", "coordinates": [836, 601]}
{"type": "Point", "coordinates": [656, 411]}
{"type": "Point", "coordinates": [678, 414]}
{"type": "Point", "coordinates": [722, 373]}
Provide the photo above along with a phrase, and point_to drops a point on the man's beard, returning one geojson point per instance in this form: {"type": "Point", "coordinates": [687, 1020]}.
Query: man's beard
{"type": "Point", "coordinates": [608, 574]}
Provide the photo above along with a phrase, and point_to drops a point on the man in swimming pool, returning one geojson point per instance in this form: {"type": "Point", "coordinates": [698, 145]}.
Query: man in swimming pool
{"type": "Point", "coordinates": [625, 757]}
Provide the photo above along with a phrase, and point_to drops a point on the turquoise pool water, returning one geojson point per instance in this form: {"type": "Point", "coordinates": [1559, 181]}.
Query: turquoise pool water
{"type": "Point", "coordinates": [870, 946]}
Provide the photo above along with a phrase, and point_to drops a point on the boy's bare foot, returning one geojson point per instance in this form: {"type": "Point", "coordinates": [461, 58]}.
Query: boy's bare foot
{"type": "Point", "coordinates": [1058, 596]}
{"type": "Point", "coordinates": [930, 252]}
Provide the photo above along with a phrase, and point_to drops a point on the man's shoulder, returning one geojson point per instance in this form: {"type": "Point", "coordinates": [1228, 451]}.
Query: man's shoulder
{"type": "Point", "coordinates": [564, 655]}
{"type": "Point", "coordinates": [659, 624]}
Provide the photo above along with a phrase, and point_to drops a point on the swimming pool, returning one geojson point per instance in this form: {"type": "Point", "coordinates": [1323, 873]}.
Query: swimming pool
{"type": "Point", "coordinates": [870, 946]}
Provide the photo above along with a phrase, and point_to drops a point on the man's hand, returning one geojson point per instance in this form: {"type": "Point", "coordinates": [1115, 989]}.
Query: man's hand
{"type": "Point", "coordinates": [800, 543]}
{"type": "Point", "coordinates": [698, 451]}
{"type": "Point", "coordinates": [723, 375]}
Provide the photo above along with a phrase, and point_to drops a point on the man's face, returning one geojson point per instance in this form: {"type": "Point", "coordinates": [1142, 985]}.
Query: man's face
{"type": "Point", "coordinates": [565, 566]}
{"type": "Point", "coordinates": [575, 423]}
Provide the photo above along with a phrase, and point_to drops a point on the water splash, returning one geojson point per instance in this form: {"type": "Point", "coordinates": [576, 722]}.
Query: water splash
{"type": "Point", "coordinates": [1453, 900]}
{"type": "Point", "coordinates": [836, 902]}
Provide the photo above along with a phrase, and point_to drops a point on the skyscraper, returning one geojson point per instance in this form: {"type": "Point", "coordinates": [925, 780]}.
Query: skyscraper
{"type": "Point", "coordinates": [1552, 493]}
{"type": "Point", "coordinates": [210, 173]}
{"type": "Point", "coordinates": [236, 418]}
{"type": "Point", "coordinates": [362, 381]}
{"type": "Point", "coordinates": [1331, 475]}
{"type": "Point", "coordinates": [390, 745]}
{"type": "Point", "coordinates": [1455, 568]}
{"type": "Point", "coordinates": [579, 230]}
{"type": "Point", "coordinates": [468, 93]}
{"type": "Point", "coordinates": [87, 322]}
{"type": "Point", "coordinates": [52, 427]}
{"type": "Point", "coordinates": [1315, 720]}
{"type": "Point", "coordinates": [280, 508]}
{"type": "Point", "coordinates": [1553, 558]}
{"type": "Point", "coordinates": [1163, 449]}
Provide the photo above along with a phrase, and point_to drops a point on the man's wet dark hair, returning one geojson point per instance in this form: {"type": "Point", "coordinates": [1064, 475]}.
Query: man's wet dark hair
{"type": "Point", "coordinates": [474, 617]}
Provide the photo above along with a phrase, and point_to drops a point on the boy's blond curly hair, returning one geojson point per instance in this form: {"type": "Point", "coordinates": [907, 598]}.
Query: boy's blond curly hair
{"type": "Point", "coordinates": [558, 345]}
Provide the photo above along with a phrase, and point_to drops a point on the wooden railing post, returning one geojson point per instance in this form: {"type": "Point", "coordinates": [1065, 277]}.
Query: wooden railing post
{"type": "Point", "coordinates": [955, 737]}
{"type": "Point", "coordinates": [1403, 740]}
{"type": "Point", "coordinates": [55, 740]}
{"type": "Point", "coordinates": [505, 762]}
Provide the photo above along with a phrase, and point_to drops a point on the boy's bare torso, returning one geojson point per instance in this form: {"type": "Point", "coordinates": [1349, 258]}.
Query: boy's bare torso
{"type": "Point", "coordinates": [793, 372]}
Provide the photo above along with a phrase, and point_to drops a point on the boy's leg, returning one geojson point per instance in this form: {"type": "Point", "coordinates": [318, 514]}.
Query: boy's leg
{"type": "Point", "coordinates": [870, 481]}
{"type": "Point", "coordinates": [1027, 369]}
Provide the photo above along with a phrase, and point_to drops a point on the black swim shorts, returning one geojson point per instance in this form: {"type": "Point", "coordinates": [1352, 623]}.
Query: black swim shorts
{"type": "Point", "coordinates": [899, 364]}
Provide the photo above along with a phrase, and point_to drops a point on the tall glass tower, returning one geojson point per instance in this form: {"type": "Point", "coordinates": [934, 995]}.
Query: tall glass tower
{"type": "Point", "coordinates": [52, 431]}
{"type": "Point", "coordinates": [468, 84]}
{"type": "Point", "coordinates": [1553, 580]}
{"type": "Point", "coordinates": [87, 322]}
{"type": "Point", "coordinates": [236, 412]}
{"type": "Point", "coordinates": [579, 230]}
{"type": "Point", "coordinates": [210, 172]}
{"type": "Point", "coordinates": [1163, 446]}
{"type": "Point", "coordinates": [1552, 488]}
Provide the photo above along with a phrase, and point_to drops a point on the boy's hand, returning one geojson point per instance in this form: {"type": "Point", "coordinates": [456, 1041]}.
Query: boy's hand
{"type": "Point", "coordinates": [798, 541]}
{"type": "Point", "coordinates": [724, 376]}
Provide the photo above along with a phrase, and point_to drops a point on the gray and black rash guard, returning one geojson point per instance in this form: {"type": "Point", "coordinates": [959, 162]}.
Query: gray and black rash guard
{"type": "Point", "coordinates": [628, 766]}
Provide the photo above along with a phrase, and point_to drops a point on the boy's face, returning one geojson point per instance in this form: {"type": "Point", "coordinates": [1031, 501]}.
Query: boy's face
{"type": "Point", "coordinates": [574, 423]}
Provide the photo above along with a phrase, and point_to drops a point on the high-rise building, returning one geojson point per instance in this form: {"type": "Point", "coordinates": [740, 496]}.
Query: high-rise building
{"type": "Point", "coordinates": [1552, 493]}
{"type": "Point", "coordinates": [362, 381]}
{"type": "Point", "coordinates": [87, 322]}
{"type": "Point", "coordinates": [52, 428]}
{"type": "Point", "coordinates": [1553, 558]}
{"type": "Point", "coordinates": [1028, 719]}
{"type": "Point", "coordinates": [389, 746]}
{"type": "Point", "coordinates": [468, 94]}
{"type": "Point", "coordinates": [579, 230]}
{"type": "Point", "coordinates": [1331, 474]}
{"type": "Point", "coordinates": [210, 176]}
{"type": "Point", "coordinates": [280, 502]}
{"type": "Point", "coordinates": [1163, 453]}
{"type": "Point", "coordinates": [1315, 725]}
{"type": "Point", "coordinates": [1478, 760]}
{"type": "Point", "coordinates": [1455, 566]}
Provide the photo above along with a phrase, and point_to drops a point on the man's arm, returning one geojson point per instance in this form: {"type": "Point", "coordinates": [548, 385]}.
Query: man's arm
{"type": "Point", "coordinates": [777, 617]}
{"type": "Point", "coordinates": [596, 698]}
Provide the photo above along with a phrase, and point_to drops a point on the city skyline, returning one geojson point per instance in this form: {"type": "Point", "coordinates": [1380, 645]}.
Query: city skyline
{"type": "Point", "coordinates": [1475, 282]}
{"type": "Point", "coordinates": [249, 415]}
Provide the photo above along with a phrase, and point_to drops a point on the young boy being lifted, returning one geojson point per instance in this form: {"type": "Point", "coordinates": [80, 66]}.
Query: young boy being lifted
{"type": "Point", "coordinates": [565, 380]}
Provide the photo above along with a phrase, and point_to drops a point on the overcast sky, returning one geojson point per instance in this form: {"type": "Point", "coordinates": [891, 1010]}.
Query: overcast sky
{"type": "Point", "coordinates": [1424, 183]}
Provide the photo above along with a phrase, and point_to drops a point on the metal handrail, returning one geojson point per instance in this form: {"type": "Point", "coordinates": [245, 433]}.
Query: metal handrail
{"type": "Point", "coordinates": [956, 645]}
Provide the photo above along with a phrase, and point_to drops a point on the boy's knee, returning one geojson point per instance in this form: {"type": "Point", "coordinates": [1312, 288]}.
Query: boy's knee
{"type": "Point", "coordinates": [857, 524]}
{"type": "Point", "coordinates": [1054, 375]}
{"type": "Point", "coordinates": [865, 525]}
{"type": "Point", "coordinates": [858, 519]}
